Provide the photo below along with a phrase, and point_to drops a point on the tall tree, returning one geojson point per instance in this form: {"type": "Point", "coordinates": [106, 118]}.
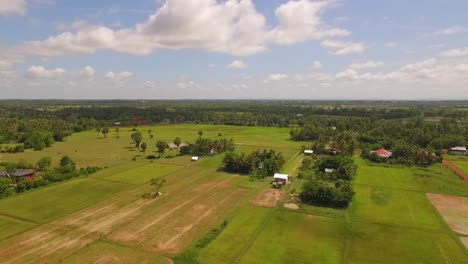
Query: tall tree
{"type": "Point", "coordinates": [105, 131]}
{"type": "Point", "coordinates": [143, 147]}
{"type": "Point", "coordinates": [137, 137]}
{"type": "Point", "coordinates": [161, 146]}
{"type": "Point", "coordinates": [177, 142]}
{"type": "Point", "coordinates": [157, 183]}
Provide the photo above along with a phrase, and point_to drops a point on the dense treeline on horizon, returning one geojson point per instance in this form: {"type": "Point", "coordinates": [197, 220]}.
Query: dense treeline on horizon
{"type": "Point", "coordinates": [432, 125]}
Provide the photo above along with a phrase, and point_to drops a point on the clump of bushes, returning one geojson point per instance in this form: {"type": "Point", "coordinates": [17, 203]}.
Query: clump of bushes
{"type": "Point", "coordinates": [259, 164]}
{"type": "Point", "coordinates": [332, 188]}
{"type": "Point", "coordinates": [151, 157]}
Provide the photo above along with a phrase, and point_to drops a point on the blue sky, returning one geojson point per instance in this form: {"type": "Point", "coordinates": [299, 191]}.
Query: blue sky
{"type": "Point", "coordinates": [241, 49]}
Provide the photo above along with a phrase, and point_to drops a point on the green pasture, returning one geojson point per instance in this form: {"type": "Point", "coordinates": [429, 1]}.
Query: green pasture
{"type": "Point", "coordinates": [376, 243]}
{"type": "Point", "coordinates": [90, 148]}
{"type": "Point", "coordinates": [434, 179]}
{"type": "Point", "coordinates": [276, 236]}
{"type": "Point", "coordinates": [394, 207]}
{"type": "Point", "coordinates": [49, 203]}
{"type": "Point", "coordinates": [143, 174]}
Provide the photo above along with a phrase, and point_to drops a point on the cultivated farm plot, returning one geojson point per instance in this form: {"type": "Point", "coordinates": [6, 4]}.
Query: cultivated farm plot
{"type": "Point", "coordinates": [376, 243]}
{"type": "Point", "coordinates": [395, 207]}
{"type": "Point", "coordinates": [10, 226]}
{"type": "Point", "coordinates": [46, 204]}
{"type": "Point", "coordinates": [104, 252]}
{"type": "Point", "coordinates": [435, 179]}
{"type": "Point", "coordinates": [277, 236]}
{"type": "Point", "coordinates": [192, 203]}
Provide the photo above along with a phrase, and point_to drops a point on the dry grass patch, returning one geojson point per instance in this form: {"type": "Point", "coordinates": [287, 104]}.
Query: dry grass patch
{"type": "Point", "coordinates": [268, 198]}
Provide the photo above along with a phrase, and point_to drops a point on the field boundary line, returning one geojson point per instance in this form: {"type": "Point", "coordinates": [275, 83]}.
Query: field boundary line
{"type": "Point", "coordinates": [455, 169]}
{"type": "Point", "coordinates": [19, 218]}
{"type": "Point", "coordinates": [255, 234]}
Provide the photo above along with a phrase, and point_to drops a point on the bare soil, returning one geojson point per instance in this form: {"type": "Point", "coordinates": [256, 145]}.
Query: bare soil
{"type": "Point", "coordinates": [268, 198]}
{"type": "Point", "coordinates": [454, 210]}
{"type": "Point", "coordinates": [291, 206]}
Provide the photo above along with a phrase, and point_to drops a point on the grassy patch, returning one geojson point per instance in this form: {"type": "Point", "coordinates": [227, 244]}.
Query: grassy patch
{"type": "Point", "coordinates": [374, 243]}
{"type": "Point", "coordinates": [143, 174]}
{"type": "Point", "coordinates": [394, 207]}
{"type": "Point", "coordinates": [58, 200]}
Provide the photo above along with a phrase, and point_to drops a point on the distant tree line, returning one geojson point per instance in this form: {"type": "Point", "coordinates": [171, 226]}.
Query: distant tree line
{"type": "Point", "coordinates": [45, 174]}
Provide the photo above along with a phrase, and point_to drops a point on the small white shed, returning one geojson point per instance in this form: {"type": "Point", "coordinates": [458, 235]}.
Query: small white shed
{"type": "Point", "coordinates": [327, 170]}
{"type": "Point", "coordinates": [308, 152]}
{"type": "Point", "coordinates": [281, 178]}
{"type": "Point", "coordinates": [194, 158]}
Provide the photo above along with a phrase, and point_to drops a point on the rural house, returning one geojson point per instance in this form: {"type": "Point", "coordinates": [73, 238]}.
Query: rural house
{"type": "Point", "coordinates": [458, 150]}
{"type": "Point", "coordinates": [382, 153]}
{"type": "Point", "coordinates": [194, 158]}
{"type": "Point", "coordinates": [308, 152]}
{"type": "Point", "coordinates": [281, 178]}
{"type": "Point", "coordinates": [25, 175]}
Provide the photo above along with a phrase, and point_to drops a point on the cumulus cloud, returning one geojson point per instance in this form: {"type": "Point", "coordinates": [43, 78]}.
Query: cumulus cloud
{"type": "Point", "coordinates": [237, 64]}
{"type": "Point", "coordinates": [233, 27]}
{"type": "Point", "coordinates": [41, 72]}
{"type": "Point", "coordinates": [88, 71]}
{"type": "Point", "coordinates": [366, 65]}
{"type": "Point", "coordinates": [12, 7]}
{"type": "Point", "coordinates": [455, 53]}
{"type": "Point", "coordinates": [187, 84]}
{"type": "Point", "coordinates": [119, 76]}
{"type": "Point", "coordinates": [300, 21]}
{"type": "Point", "coordinates": [451, 30]}
{"type": "Point", "coordinates": [275, 77]}
{"type": "Point", "coordinates": [343, 47]}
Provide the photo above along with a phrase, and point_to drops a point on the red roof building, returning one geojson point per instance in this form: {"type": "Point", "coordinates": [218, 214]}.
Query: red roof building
{"type": "Point", "coordinates": [383, 153]}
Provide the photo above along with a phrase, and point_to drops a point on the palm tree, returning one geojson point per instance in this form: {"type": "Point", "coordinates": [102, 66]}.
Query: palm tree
{"type": "Point", "coordinates": [177, 142]}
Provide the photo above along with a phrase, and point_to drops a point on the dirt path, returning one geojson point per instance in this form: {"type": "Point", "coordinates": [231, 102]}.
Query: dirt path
{"type": "Point", "coordinates": [455, 170]}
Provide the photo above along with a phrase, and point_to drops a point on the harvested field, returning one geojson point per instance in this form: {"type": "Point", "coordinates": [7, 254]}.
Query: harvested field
{"type": "Point", "coordinates": [454, 210]}
{"type": "Point", "coordinates": [268, 198]}
{"type": "Point", "coordinates": [107, 253]}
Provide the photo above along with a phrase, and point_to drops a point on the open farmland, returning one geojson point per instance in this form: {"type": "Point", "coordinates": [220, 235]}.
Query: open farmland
{"type": "Point", "coordinates": [389, 221]}
{"type": "Point", "coordinates": [106, 211]}
{"type": "Point", "coordinates": [103, 217]}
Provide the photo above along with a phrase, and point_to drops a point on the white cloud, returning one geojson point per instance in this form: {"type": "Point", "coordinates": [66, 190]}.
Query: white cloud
{"type": "Point", "coordinates": [187, 84]}
{"type": "Point", "coordinates": [78, 24]}
{"type": "Point", "coordinates": [451, 30]}
{"type": "Point", "coordinates": [237, 64]}
{"type": "Point", "coordinates": [41, 72]}
{"type": "Point", "coordinates": [300, 21]}
{"type": "Point", "coordinates": [317, 65]}
{"type": "Point", "coordinates": [275, 77]}
{"type": "Point", "coordinates": [119, 76]}
{"type": "Point", "coordinates": [343, 47]}
{"type": "Point", "coordinates": [88, 72]}
{"type": "Point", "coordinates": [151, 85]}
{"type": "Point", "coordinates": [12, 7]}
{"type": "Point", "coordinates": [366, 65]}
{"type": "Point", "coordinates": [233, 27]}
{"type": "Point", "coordinates": [455, 53]}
